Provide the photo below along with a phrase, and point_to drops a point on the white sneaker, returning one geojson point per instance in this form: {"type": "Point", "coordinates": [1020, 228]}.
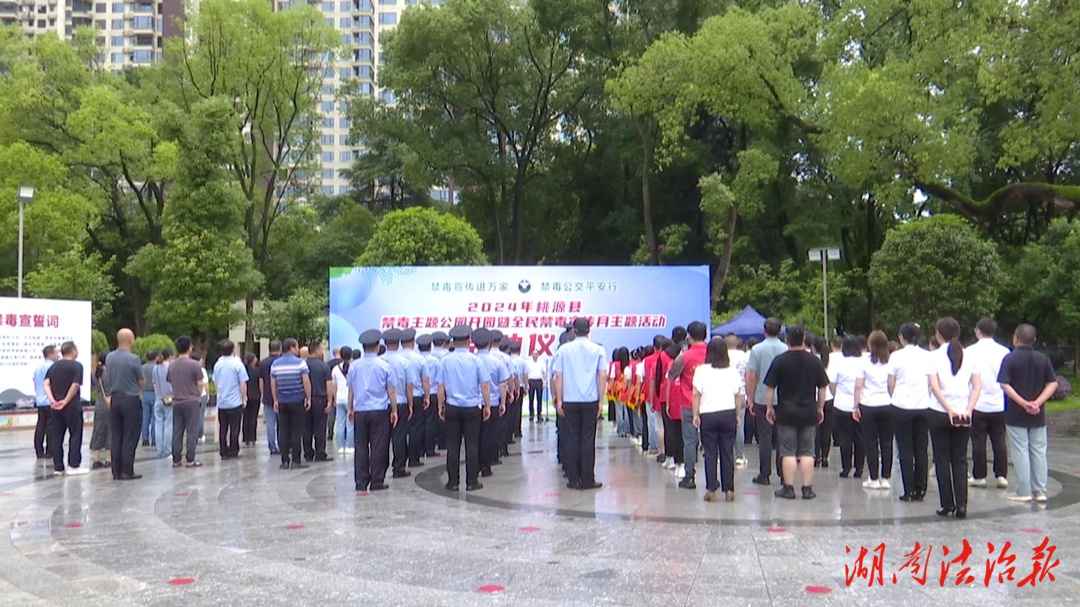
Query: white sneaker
{"type": "Point", "coordinates": [1012, 497]}
{"type": "Point", "coordinates": [1002, 482]}
{"type": "Point", "coordinates": [77, 471]}
{"type": "Point", "coordinates": [680, 472]}
{"type": "Point", "coordinates": [884, 483]}
{"type": "Point", "coordinates": [349, 450]}
{"type": "Point", "coordinates": [341, 451]}
{"type": "Point", "coordinates": [202, 439]}
{"type": "Point", "coordinates": [670, 463]}
{"type": "Point", "coordinates": [871, 484]}
{"type": "Point", "coordinates": [976, 482]}
{"type": "Point", "coordinates": [1040, 497]}
{"type": "Point", "coordinates": [58, 473]}
{"type": "Point", "coordinates": [740, 462]}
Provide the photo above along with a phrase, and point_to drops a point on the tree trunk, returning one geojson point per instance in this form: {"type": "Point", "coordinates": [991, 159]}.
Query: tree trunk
{"type": "Point", "coordinates": [502, 197]}
{"type": "Point", "coordinates": [498, 222]}
{"type": "Point", "coordinates": [725, 259]}
{"type": "Point", "coordinates": [646, 198]}
{"type": "Point", "coordinates": [519, 206]}
{"type": "Point", "coordinates": [871, 245]}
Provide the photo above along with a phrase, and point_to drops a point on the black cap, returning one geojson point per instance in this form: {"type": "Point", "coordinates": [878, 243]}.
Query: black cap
{"type": "Point", "coordinates": [370, 338]}
{"type": "Point", "coordinates": [496, 335]}
{"type": "Point", "coordinates": [460, 332]}
{"type": "Point", "coordinates": [423, 341]}
{"type": "Point", "coordinates": [515, 346]}
{"type": "Point", "coordinates": [568, 326]}
{"type": "Point", "coordinates": [439, 336]}
{"type": "Point", "coordinates": [408, 335]}
{"type": "Point", "coordinates": [481, 338]}
{"type": "Point", "coordinates": [581, 325]}
{"type": "Point", "coordinates": [392, 336]}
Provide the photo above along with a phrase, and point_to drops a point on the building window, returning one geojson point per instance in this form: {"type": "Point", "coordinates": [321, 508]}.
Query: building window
{"type": "Point", "coordinates": [345, 156]}
{"type": "Point", "coordinates": [327, 123]}
{"type": "Point", "coordinates": [117, 24]}
{"type": "Point", "coordinates": [327, 156]}
{"type": "Point", "coordinates": [116, 57]}
{"type": "Point", "coordinates": [343, 139]}
{"type": "Point", "coordinates": [346, 22]}
{"type": "Point", "coordinates": [344, 123]}
{"type": "Point", "coordinates": [363, 21]}
{"type": "Point", "coordinates": [387, 18]}
{"type": "Point", "coordinates": [344, 189]}
{"type": "Point", "coordinates": [327, 106]}
{"type": "Point", "coordinates": [327, 140]}
{"type": "Point", "coordinates": [345, 38]}
{"type": "Point", "coordinates": [144, 8]}
{"type": "Point", "coordinates": [365, 88]}
{"type": "Point", "coordinates": [143, 56]}
{"type": "Point", "coordinates": [345, 6]}
{"type": "Point", "coordinates": [328, 173]}
{"type": "Point", "coordinates": [365, 71]}
{"type": "Point", "coordinates": [143, 22]}
{"type": "Point", "coordinates": [327, 7]}
{"type": "Point", "coordinates": [410, 2]}
{"type": "Point", "coordinates": [365, 38]}
{"type": "Point", "coordinates": [328, 190]}
{"type": "Point", "coordinates": [388, 97]}
{"type": "Point", "coordinates": [327, 89]}
{"type": "Point", "coordinates": [118, 7]}
{"type": "Point", "coordinates": [101, 7]}
{"type": "Point", "coordinates": [387, 2]}
{"type": "Point", "coordinates": [365, 5]}
{"type": "Point", "coordinates": [363, 54]}
{"type": "Point", "coordinates": [117, 41]}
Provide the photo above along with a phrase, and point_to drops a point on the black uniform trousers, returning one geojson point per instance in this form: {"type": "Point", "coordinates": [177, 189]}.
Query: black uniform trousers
{"type": "Point", "coordinates": [490, 439]}
{"type": "Point", "coordinates": [431, 425]}
{"type": "Point", "coordinates": [42, 440]}
{"type": "Point", "coordinates": [69, 420]}
{"type": "Point", "coordinates": [536, 397]}
{"type": "Point", "coordinates": [314, 429]}
{"type": "Point", "coordinates": [950, 459]}
{"type": "Point", "coordinates": [912, 439]}
{"type": "Point", "coordinates": [767, 436]}
{"type": "Point", "coordinates": [851, 442]}
{"type": "Point", "coordinates": [290, 428]}
{"type": "Point", "coordinates": [990, 425]}
{"type": "Point", "coordinates": [399, 438]}
{"type": "Point", "coordinates": [250, 421]}
{"type": "Point", "coordinates": [823, 436]}
{"type": "Point", "coordinates": [372, 432]}
{"type": "Point", "coordinates": [229, 431]}
{"type": "Point", "coordinates": [876, 426]}
{"type": "Point", "coordinates": [125, 418]}
{"type": "Point", "coordinates": [749, 426]}
{"type": "Point", "coordinates": [518, 403]}
{"type": "Point", "coordinates": [644, 427]}
{"type": "Point", "coordinates": [673, 444]}
{"type": "Point", "coordinates": [580, 428]}
{"type": "Point", "coordinates": [417, 426]}
{"type": "Point", "coordinates": [463, 422]}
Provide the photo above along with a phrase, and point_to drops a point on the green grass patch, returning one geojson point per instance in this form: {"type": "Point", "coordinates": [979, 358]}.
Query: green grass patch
{"type": "Point", "coordinates": [1057, 406]}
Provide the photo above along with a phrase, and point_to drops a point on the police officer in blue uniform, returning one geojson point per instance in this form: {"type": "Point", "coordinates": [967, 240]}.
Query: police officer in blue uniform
{"type": "Point", "coordinates": [580, 381]}
{"type": "Point", "coordinates": [371, 394]}
{"type": "Point", "coordinates": [521, 371]}
{"type": "Point", "coordinates": [504, 432]}
{"type": "Point", "coordinates": [435, 430]}
{"type": "Point", "coordinates": [405, 377]}
{"type": "Point", "coordinates": [464, 403]}
{"type": "Point", "coordinates": [497, 375]}
{"type": "Point", "coordinates": [419, 398]}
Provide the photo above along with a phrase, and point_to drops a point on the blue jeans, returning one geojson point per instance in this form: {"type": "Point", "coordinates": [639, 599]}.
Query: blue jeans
{"type": "Point", "coordinates": [344, 434]}
{"type": "Point", "coordinates": [163, 427]}
{"type": "Point", "coordinates": [622, 420]}
{"type": "Point", "coordinates": [690, 442]}
{"type": "Point", "coordinates": [1027, 448]}
{"type": "Point", "coordinates": [654, 418]}
{"type": "Point", "coordinates": [149, 431]}
{"type": "Point", "coordinates": [635, 421]}
{"type": "Point", "coordinates": [271, 428]}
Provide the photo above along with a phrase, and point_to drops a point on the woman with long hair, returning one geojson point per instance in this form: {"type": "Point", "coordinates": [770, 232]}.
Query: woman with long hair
{"type": "Point", "coordinates": [672, 411]}
{"type": "Point", "coordinates": [874, 412]}
{"type": "Point", "coordinates": [843, 374]}
{"type": "Point", "coordinates": [909, 384]}
{"type": "Point", "coordinates": [249, 423]}
{"type": "Point", "coordinates": [823, 434]}
{"type": "Point", "coordinates": [956, 390]}
{"type": "Point", "coordinates": [716, 409]}
{"type": "Point", "coordinates": [99, 440]}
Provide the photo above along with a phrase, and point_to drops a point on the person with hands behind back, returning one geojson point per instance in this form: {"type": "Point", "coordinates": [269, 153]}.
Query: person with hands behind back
{"type": "Point", "coordinates": [1028, 379]}
{"type": "Point", "coordinates": [464, 403]}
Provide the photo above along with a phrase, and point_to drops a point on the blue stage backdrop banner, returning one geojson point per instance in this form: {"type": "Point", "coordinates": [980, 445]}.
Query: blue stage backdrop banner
{"type": "Point", "coordinates": [627, 305]}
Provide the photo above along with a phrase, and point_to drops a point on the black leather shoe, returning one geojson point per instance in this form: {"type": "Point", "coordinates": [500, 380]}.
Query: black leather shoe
{"type": "Point", "coordinates": [687, 483]}
{"type": "Point", "coordinates": [760, 480]}
{"type": "Point", "coordinates": [379, 487]}
{"type": "Point", "coordinates": [858, 474]}
{"type": "Point", "coordinates": [946, 511]}
{"type": "Point", "coordinates": [906, 498]}
{"type": "Point", "coordinates": [845, 473]}
{"type": "Point", "coordinates": [361, 487]}
{"type": "Point", "coordinates": [402, 474]}
{"type": "Point", "coordinates": [486, 473]}
{"type": "Point", "coordinates": [474, 487]}
{"type": "Point", "coordinates": [130, 477]}
{"type": "Point", "coordinates": [808, 493]}
{"type": "Point", "coordinates": [497, 462]}
{"type": "Point", "coordinates": [299, 466]}
{"type": "Point", "coordinates": [416, 464]}
{"type": "Point", "coordinates": [323, 458]}
{"type": "Point", "coordinates": [577, 486]}
{"type": "Point", "coordinates": [824, 462]}
{"type": "Point", "coordinates": [786, 492]}
{"type": "Point", "coordinates": [592, 485]}
{"type": "Point", "coordinates": [961, 513]}
{"type": "Point", "coordinates": [451, 487]}
{"type": "Point", "coordinates": [283, 466]}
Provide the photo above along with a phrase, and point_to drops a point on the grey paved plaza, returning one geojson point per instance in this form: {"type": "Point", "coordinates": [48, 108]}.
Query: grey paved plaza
{"type": "Point", "coordinates": [243, 532]}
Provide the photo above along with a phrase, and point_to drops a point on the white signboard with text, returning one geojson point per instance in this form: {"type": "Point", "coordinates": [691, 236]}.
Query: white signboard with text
{"type": "Point", "coordinates": [26, 326]}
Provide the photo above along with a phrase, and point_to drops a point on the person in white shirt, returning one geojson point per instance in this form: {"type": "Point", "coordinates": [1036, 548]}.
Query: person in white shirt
{"type": "Point", "coordinates": [874, 412]}
{"type": "Point", "coordinates": [909, 384]}
{"type": "Point", "coordinates": [988, 419]}
{"type": "Point", "coordinates": [829, 353]}
{"type": "Point", "coordinates": [717, 407]}
{"type": "Point", "coordinates": [843, 373]}
{"type": "Point", "coordinates": [537, 372]}
{"type": "Point", "coordinates": [204, 397]}
{"type": "Point", "coordinates": [344, 436]}
{"type": "Point", "coordinates": [956, 389]}
{"type": "Point", "coordinates": [738, 358]}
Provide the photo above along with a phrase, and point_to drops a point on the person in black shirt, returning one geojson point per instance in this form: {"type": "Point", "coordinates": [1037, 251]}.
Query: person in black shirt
{"type": "Point", "coordinates": [332, 418]}
{"type": "Point", "coordinates": [314, 432]}
{"type": "Point", "coordinates": [62, 384]}
{"type": "Point", "coordinates": [801, 380]}
{"type": "Point", "coordinates": [249, 423]}
{"type": "Point", "coordinates": [1029, 380]}
{"type": "Point", "coordinates": [268, 397]}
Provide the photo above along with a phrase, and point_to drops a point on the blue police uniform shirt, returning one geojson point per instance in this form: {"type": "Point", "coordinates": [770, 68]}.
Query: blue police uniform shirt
{"type": "Point", "coordinates": [229, 373]}
{"type": "Point", "coordinates": [40, 398]}
{"type": "Point", "coordinates": [460, 375]}
{"type": "Point", "coordinates": [579, 362]}
{"type": "Point", "coordinates": [440, 354]}
{"type": "Point", "coordinates": [431, 371]}
{"type": "Point", "coordinates": [497, 373]}
{"type": "Point", "coordinates": [369, 378]}
{"type": "Point", "coordinates": [520, 368]}
{"type": "Point", "coordinates": [416, 364]}
{"type": "Point", "coordinates": [402, 372]}
{"type": "Point", "coordinates": [289, 371]}
{"type": "Point", "coordinates": [504, 358]}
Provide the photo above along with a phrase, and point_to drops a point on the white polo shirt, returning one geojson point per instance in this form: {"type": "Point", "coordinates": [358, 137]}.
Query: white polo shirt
{"type": "Point", "coordinates": [986, 356]}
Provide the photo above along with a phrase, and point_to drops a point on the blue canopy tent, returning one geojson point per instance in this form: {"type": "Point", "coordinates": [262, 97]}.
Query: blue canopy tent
{"type": "Point", "coordinates": [746, 324]}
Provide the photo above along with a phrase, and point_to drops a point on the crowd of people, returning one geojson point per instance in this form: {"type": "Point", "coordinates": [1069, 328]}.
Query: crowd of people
{"type": "Point", "coordinates": [796, 395]}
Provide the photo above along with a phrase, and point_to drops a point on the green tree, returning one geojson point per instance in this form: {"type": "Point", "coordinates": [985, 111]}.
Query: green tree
{"type": "Point", "coordinates": [154, 341]}
{"type": "Point", "coordinates": [73, 275]}
{"type": "Point", "coordinates": [932, 268]}
{"type": "Point", "coordinates": [423, 237]}
{"type": "Point", "coordinates": [1043, 289]}
{"type": "Point", "coordinates": [390, 174]}
{"type": "Point", "coordinates": [303, 316]}
{"type": "Point", "coordinates": [98, 341]}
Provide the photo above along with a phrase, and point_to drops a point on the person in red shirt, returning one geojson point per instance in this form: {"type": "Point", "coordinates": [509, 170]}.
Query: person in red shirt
{"type": "Point", "coordinates": [652, 402]}
{"type": "Point", "coordinates": [669, 401]}
{"type": "Point", "coordinates": [682, 372]}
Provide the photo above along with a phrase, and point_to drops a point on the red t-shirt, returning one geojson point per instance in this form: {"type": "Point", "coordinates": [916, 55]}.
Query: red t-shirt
{"type": "Point", "coordinates": [650, 381]}
{"type": "Point", "coordinates": [670, 398]}
{"type": "Point", "coordinates": [693, 357]}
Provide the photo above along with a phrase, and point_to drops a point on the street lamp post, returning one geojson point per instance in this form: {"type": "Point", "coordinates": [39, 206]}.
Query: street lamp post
{"type": "Point", "coordinates": [824, 255]}
{"type": "Point", "coordinates": [26, 194]}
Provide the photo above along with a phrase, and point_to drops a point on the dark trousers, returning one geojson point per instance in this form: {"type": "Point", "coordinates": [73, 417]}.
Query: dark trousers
{"type": "Point", "coordinates": [580, 428]}
{"type": "Point", "coordinates": [718, 433]}
{"type": "Point", "coordinates": [372, 432]}
{"type": "Point", "coordinates": [250, 421]}
{"type": "Point", "coordinates": [990, 425]}
{"type": "Point", "coordinates": [399, 438]}
{"type": "Point", "coordinates": [851, 443]}
{"type": "Point", "coordinates": [431, 425]}
{"type": "Point", "coordinates": [536, 397]}
{"type": "Point", "coordinates": [749, 431]}
{"type": "Point", "coordinates": [644, 428]}
{"type": "Point", "coordinates": [185, 430]}
{"type": "Point", "coordinates": [560, 447]}
{"type": "Point", "coordinates": [673, 443]}
{"type": "Point", "coordinates": [125, 417]}
{"type": "Point", "coordinates": [767, 438]}
{"type": "Point", "coordinates": [69, 420]}
{"type": "Point", "coordinates": [417, 426]}
{"type": "Point", "coordinates": [314, 429]}
{"type": "Point", "coordinates": [823, 435]}
{"type": "Point", "coordinates": [229, 431]}
{"type": "Point", "coordinates": [877, 437]}
{"type": "Point", "coordinates": [42, 440]}
{"type": "Point", "coordinates": [518, 403]}
{"type": "Point", "coordinates": [463, 422]}
{"type": "Point", "coordinates": [911, 440]}
{"type": "Point", "coordinates": [950, 459]}
{"type": "Point", "coordinates": [290, 429]}
{"type": "Point", "coordinates": [490, 444]}
{"type": "Point", "coordinates": [331, 420]}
